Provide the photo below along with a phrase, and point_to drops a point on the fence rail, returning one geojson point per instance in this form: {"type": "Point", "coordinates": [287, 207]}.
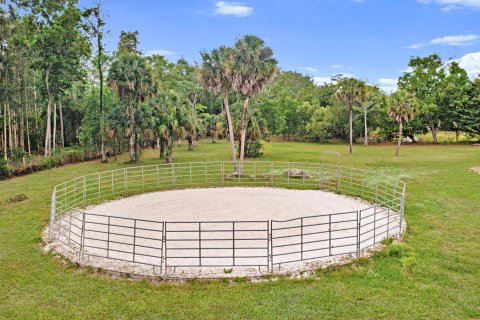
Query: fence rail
{"type": "Point", "coordinates": [267, 244]}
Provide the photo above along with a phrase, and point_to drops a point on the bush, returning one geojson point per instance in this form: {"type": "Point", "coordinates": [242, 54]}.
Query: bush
{"type": "Point", "coordinates": [51, 162]}
{"type": "Point", "coordinates": [254, 149]}
{"type": "Point", "coordinates": [4, 172]}
{"type": "Point", "coordinates": [73, 155]}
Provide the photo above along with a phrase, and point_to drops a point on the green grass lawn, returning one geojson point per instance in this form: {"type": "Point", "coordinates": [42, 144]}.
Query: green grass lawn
{"type": "Point", "coordinates": [434, 275]}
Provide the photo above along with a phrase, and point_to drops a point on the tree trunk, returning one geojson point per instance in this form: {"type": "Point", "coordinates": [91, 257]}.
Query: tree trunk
{"type": "Point", "coordinates": [190, 142]}
{"type": "Point", "coordinates": [28, 133]}
{"type": "Point", "coordinates": [62, 134]}
{"type": "Point", "coordinates": [365, 143]}
{"type": "Point", "coordinates": [37, 135]}
{"type": "Point", "coordinates": [22, 129]}
{"type": "Point", "coordinates": [162, 148]}
{"type": "Point", "coordinates": [433, 128]}
{"type": "Point", "coordinates": [351, 128]}
{"type": "Point", "coordinates": [5, 155]}
{"type": "Point", "coordinates": [26, 116]}
{"type": "Point", "coordinates": [49, 114]}
{"type": "Point", "coordinates": [54, 127]}
{"type": "Point", "coordinates": [397, 152]}
{"type": "Point", "coordinates": [169, 151]}
{"type": "Point", "coordinates": [243, 133]}
{"type": "Point", "coordinates": [230, 130]}
{"type": "Point", "coordinates": [15, 127]}
{"type": "Point", "coordinates": [100, 74]}
{"type": "Point", "coordinates": [10, 137]}
{"type": "Point", "coordinates": [434, 135]}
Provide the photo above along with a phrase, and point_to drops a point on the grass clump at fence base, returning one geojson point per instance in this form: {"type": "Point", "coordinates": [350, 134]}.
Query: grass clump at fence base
{"type": "Point", "coordinates": [441, 281]}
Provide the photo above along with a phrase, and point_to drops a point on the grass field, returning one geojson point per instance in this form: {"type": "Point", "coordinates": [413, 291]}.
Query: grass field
{"type": "Point", "coordinates": [434, 274]}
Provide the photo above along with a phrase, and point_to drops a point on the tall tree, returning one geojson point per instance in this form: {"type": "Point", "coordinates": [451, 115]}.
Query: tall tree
{"type": "Point", "coordinates": [350, 91]}
{"type": "Point", "coordinates": [96, 28]}
{"type": "Point", "coordinates": [130, 79]}
{"type": "Point", "coordinates": [425, 81]}
{"type": "Point", "coordinates": [254, 68]}
{"type": "Point", "coordinates": [401, 108]}
{"type": "Point", "coordinates": [216, 74]}
{"type": "Point", "coordinates": [455, 97]}
{"type": "Point", "coordinates": [61, 46]}
{"type": "Point", "coordinates": [372, 99]}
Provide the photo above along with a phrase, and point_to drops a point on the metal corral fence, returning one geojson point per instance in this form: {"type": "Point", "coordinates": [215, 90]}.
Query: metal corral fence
{"type": "Point", "coordinates": [268, 244]}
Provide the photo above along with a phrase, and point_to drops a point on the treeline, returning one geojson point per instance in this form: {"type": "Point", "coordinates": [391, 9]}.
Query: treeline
{"type": "Point", "coordinates": [60, 89]}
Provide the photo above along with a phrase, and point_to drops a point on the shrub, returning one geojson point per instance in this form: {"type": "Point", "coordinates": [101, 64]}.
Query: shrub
{"type": "Point", "coordinates": [254, 149]}
{"type": "Point", "coordinates": [4, 172]}
{"type": "Point", "coordinates": [51, 162]}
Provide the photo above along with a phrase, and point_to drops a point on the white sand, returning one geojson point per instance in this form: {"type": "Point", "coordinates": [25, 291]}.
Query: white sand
{"type": "Point", "coordinates": [216, 208]}
{"type": "Point", "coordinates": [228, 204]}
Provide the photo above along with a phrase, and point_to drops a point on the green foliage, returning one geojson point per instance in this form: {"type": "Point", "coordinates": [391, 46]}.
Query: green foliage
{"type": "Point", "coordinates": [443, 232]}
{"type": "Point", "coordinates": [4, 172]}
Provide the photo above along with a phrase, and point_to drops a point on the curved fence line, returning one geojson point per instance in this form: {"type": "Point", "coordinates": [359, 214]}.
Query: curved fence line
{"type": "Point", "coordinates": [167, 245]}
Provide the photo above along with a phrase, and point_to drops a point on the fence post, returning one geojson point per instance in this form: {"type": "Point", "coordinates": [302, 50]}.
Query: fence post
{"type": "Point", "coordinates": [233, 242]}
{"type": "Point", "coordinates": [321, 176]}
{"type": "Point", "coordinates": [330, 234]}
{"type": "Point", "coordinates": [98, 175]}
{"type": "Point", "coordinates": [125, 190]}
{"type": "Point", "coordinates": [270, 246]}
{"type": "Point", "coordinates": [84, 187]}
{"type": "Point", "coordinates": [223, 173]}
{"type": "Point", "coordinates": [301, 239]}
{"type": "Point", "coordinates": [163, 261]}
{"type": "Point", "coordinates": [52, 212]}
{"type": "Point", "coordinates": [200, 244]}
{"type": "Point", "coordinates": [108, 237]}
{"type": "Point", "coordinates": [111, 183]}
{"type": "Point", "coordinates": [206, 173]}
{"type": "Point", "coordinates": [271, 173]}
{"type": "Point", "coordinates": [82, 240]}
{"type": "Point", "coordinates": [359, 218]}
{"type": "Point", "coordinates": [374, 223]}
{"type": "Point", "coordinates": [134, 237]}
{"type": "Point", "coordinates": [173, 175]}
{"type": "Point", "coordinates": [288, 174]}
{"type": "Point", "coordinates": [402, 207]}
{"type": "Point", "coordinates": [388, 221]}
{"type": "Point", "coordinates": [339, 187]}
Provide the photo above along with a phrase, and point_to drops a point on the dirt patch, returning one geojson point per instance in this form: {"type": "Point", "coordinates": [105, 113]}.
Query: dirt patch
{"type": "Point", "coordinates": [309, 229]}
{"type": "Point", "coordinates": [476, 169]}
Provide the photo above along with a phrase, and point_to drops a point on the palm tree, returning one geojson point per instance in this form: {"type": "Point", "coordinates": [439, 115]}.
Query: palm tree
{"type": "Point", "coordinates": [129, 76]}
{"type": "Point", "coordinates": [402, 108]}
{"type": "Point", "coordinates": [216, 74]}
{"type": "Point", "coordinates": [254, 68]}
{"type": "Point", "coordinates": [350, 92]}
{"type": "Point", "coordinates": [214, 126]}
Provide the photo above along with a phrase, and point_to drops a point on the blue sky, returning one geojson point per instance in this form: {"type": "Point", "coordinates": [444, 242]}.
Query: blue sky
{"type": "Point", "coordinates": [369, 39]}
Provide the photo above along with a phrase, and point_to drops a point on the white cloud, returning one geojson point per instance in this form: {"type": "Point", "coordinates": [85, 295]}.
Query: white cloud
{"type": "Point", "coordinates": [457, 40]}
{"type": "Point", "coordinates": [471, 63]}
{"type": "Point", "coordinates": [449, 5]}
{"type": "Point", "coordinates": [336, 66]}
{"type": "Point", "coordinates": [322, 80]}
{"type": "Point", "coordinates": [159, 52]}
{"type": "Point", "coordinates": [311, 69]}
{"type": "Point", "coordinates": [235, 9]}
{"type": "Point", "coordinates": [327, 80]}
{"type": "Point", "coordinates": [388, 85]}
